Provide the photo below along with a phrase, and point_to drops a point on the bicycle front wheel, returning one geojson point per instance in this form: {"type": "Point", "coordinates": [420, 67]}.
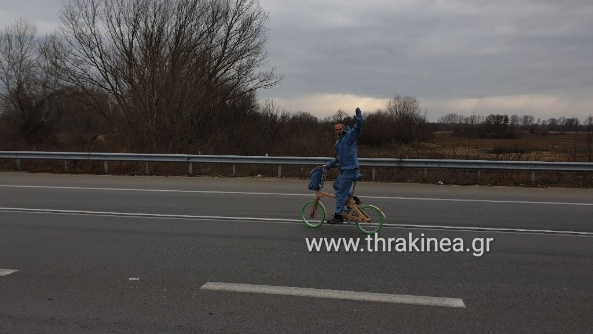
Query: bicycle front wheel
{"type": "Point", "coordinates": [313, 215]}
{"type": "Point", "coordinates": [375, 221]}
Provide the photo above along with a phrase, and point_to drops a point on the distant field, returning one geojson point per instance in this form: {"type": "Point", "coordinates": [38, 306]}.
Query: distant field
{"type": "Point", "coordinates": [549, 147]}
{"type": "Point", "coordinates": [531, 147]}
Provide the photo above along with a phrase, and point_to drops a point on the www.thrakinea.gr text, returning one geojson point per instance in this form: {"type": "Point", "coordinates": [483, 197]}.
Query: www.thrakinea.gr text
{"type": "Point", "coordinates": [405, 244]}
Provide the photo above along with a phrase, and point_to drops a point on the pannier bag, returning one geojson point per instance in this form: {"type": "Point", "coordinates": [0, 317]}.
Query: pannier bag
{"type": "Point", "coordinates": [316, 179]}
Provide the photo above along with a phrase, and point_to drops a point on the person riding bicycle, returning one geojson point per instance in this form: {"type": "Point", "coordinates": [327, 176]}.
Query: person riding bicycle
{"type": "Point", "coordinates": [347, 158]}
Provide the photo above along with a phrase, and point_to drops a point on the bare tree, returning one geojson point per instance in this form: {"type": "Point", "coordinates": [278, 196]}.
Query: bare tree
{"type": "Point", "coordinates": [474, 120]}
{"type": "Point", "coordinates": [552, 124]}
{"type": "Point", "coordinates": [451, 121]}
{"type": "Point", "coordinates": [527, 121]}
{"type": "Point", "coordinates": [17, 61]}
{"type": "Point", "coordinates": [561, 121]}
{"type": "Point", "coordinates": [26, 100]}
{"type": "Point", "coordinates": [409, 122]}
{"type": "Point", "coordinates": [168, 65]}
{"type": "Point", "coordinates": [339, 117]}
{"type": "Point", "coordinates": [514, 121]}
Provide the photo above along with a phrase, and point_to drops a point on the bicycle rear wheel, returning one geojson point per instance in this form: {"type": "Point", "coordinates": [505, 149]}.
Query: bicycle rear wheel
{"type": "Point", "coordinates": [375, 221]}
{"type": "Point", "coordinates": [313, 215]}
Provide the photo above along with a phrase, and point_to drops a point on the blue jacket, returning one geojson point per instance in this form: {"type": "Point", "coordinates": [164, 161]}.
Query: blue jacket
{"type": "Point", "coordinates": [346, 149]}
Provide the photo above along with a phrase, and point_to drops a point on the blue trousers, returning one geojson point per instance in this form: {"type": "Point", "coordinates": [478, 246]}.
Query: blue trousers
{"type": "Point", "coordinates": [342, 186]}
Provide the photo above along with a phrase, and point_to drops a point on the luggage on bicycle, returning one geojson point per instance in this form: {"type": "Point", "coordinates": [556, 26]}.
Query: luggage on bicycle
{"type": "Point", "coordinates": [316, 179]}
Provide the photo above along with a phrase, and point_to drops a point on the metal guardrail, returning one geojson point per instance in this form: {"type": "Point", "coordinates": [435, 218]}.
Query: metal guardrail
{"type": "Point", "coordinates": [425, 164]}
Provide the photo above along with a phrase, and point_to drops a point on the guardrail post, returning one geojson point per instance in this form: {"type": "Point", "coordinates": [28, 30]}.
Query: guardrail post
{"type": "Point", "coordinates": [66, 165]}
{"type": "Point", "coordinates": [147, 168]}
{"type": "Point", "coordinates": [373, 173]}
{"type": "Point", "coordinates": [425, 174]}
{"type": "Point", "coordinates": [279, 171]}
{"type": "Point", "coordinates": [532, 177]}
{"type": "Point", "coordinates": [191, 168]}
{"type": "Point", "coordinates": [18, 164]}
{"type": "Point", "coordinates": [234, 169]}
{"type": "Point", "coordinates": [478, 177]}
{"type": "Point", "coordinates": [106, 167]}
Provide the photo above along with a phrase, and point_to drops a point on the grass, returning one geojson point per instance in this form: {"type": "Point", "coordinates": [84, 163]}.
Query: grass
{"type": "Point", "coordinates": [528, 147]}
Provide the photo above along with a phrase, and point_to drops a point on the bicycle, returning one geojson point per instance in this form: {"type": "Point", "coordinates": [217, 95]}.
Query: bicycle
{"type": "Point", "coordinates": [368, 218]}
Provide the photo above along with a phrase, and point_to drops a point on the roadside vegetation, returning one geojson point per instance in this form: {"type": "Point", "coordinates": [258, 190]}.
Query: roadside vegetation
{"type": "Point", "coordinates": [182, 76]}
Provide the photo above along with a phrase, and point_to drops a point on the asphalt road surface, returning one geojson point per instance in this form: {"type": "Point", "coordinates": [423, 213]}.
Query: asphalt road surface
{"type": "Point", "coordinates": [113, 254]}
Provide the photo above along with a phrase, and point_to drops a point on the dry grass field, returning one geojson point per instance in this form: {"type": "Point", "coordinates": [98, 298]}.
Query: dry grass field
{"type": "Point", "coordinates": [531, 147]}
{"type": "Point", "coordinates": [527, 147]}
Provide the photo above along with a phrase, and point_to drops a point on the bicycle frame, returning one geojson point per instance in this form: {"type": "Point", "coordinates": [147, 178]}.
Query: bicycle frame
{"type": "Point", "coordinates": [368, 218]}
{"type": "Point", "coordinates": [354, 213]}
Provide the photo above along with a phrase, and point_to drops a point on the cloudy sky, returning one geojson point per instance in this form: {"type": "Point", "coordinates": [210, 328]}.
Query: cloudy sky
{"type": "Point", "coordinates": [463, 56]}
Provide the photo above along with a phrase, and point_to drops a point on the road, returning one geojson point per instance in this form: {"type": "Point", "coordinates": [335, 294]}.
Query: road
{"type": "Point", "coordinates": [114, 254]}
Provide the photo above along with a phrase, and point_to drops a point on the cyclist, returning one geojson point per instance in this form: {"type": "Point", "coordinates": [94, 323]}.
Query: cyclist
{"type": "Point", "coordinates": [347, 158]}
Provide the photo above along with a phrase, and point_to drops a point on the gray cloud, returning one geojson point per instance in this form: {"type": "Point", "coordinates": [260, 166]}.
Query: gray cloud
{"type": "Point", "coordinates": [441, 51]}
{"type": "Point", "coordinates": [43, 13]}
{"type": "Point", "coordinates": [434, 49]}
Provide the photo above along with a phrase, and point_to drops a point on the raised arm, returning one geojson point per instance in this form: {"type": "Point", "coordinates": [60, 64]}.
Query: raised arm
{"type": "Point", "coordinates": [356, 131]}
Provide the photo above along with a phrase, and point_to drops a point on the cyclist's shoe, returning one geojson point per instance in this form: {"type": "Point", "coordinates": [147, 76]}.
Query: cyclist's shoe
{"type": "Point", "coordinates": [338, 219]}
{"type": "Point", "coordinates": [356, 199]}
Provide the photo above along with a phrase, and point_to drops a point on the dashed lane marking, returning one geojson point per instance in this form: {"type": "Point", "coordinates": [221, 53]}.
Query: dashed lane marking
{"type": "Point", "coordinates": [4, 272]}
{"type": "Point", "coordinates": [335, 294]}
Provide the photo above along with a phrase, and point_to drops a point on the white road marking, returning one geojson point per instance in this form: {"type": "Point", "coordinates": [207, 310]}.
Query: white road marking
{"type": "Point", "coordinates": [478, 200]}
{"type": "Point", "coordinates": [335, 294]}
{"type": "Point", "coordinates": [288, 221]}
{"type": "Point", "coordinates": [293, 194]}
{"type": "Point", "coordinates": [143, 215]}
{"type": "Point", "coordinates": [156, 190]}
{"type": "Point", "coordinates": [488, 229]}
{"type": "Point", "coordinates": [4, 272]}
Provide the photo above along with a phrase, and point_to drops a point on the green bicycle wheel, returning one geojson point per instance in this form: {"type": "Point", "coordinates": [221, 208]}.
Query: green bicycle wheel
{"type": "Point", "coordinates": [375, 222]}
{"type": "Point", "coordinates": [313, 216]}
